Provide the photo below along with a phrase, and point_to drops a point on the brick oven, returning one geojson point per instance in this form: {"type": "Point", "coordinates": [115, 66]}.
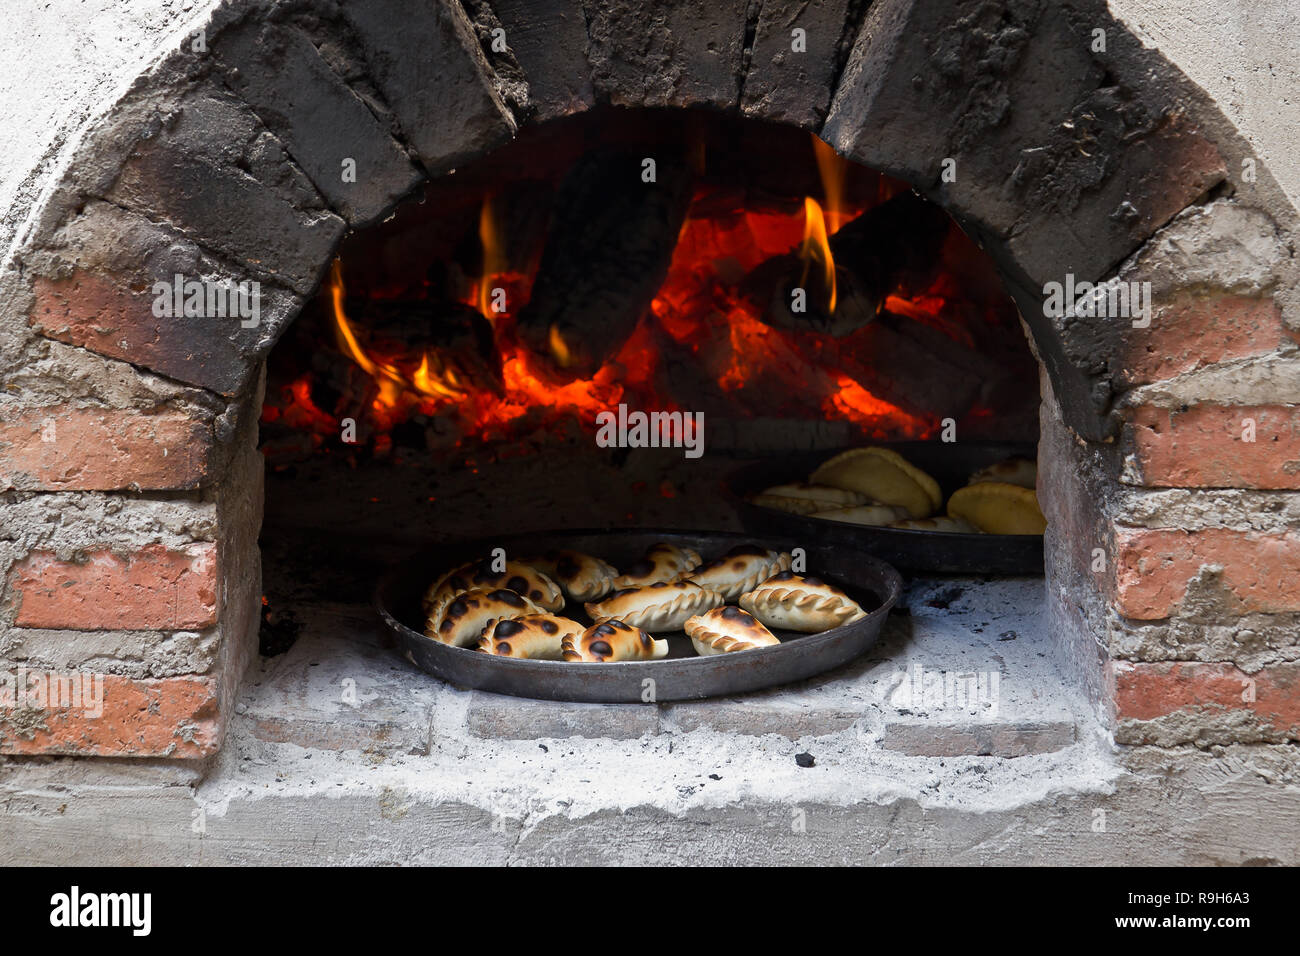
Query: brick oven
{"type": "Point", "coordinates": [139, 442]}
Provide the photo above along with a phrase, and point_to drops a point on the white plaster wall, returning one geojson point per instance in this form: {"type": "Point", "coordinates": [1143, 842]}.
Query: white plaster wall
{"type": "Point", "coordinates": [63, 62]}
{"type": "Point", "coordinates": [1244, 53]}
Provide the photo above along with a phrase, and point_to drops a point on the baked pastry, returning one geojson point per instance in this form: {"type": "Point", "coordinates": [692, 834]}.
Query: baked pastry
{"type": "Point", "coordinates": [725, 630]}
{"type": "Point", "coordinates": [739, 570]}
{"type": "Point", "coordinates": [1012, 471]}
{"type": "Point", "coordinates": [517, 576]}
{"type": "Point", "coordinates": [581, 577]}
{"type": "Point", "coordinates": [802, 498]}
{"type": "Point", "coordinates": [996, 507]}
{"type": "Point", "coordinates": [462, 620]}
{"type": "Point", "coordinates": [795, 603]}
{"type": "Point", "coordinates": [937, 523]}
{"type": "Point", "coordinates": [656, 607]}
{"type": "Point", "coordinates": [613, 641]}
{"type": "Point", "coordinates": [880, 515]}
{"type": "Point", "coordinates": [662, 562]}
{"type": "Point", "coordinates": [884, 476]}
{"type": "Point", "coordinates": [535, 636]}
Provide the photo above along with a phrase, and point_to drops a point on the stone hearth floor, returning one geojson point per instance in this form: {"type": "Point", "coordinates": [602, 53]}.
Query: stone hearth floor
{"type": "Point", "coordinates": [422, 772]}
{"type": "Point", "coordinates": [967, 670]}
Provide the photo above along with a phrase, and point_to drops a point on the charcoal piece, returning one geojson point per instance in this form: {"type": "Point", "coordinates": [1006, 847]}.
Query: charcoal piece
{"type": "Point", "coordinates": [893, 246]}
{"type": "Point", "coordinates": [607, 252]}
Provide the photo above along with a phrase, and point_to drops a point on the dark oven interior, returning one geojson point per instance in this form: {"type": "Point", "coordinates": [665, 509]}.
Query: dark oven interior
{"type": "Point", "coordinates": [449, 379]}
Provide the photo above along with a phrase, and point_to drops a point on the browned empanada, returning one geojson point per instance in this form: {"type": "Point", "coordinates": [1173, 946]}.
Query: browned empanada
{"type": "Point", "coordinates": [884, 476]}
{"type": "Point", "coordinates": [937, 523]}
{"type": "Point", "coordinates": [1022, 472]}
{"type": "Point", "coordinates": [657, 607]}
{"type": "Point", "coordinates": [517, 576]}
{"type": "Point", "coordinates": [581, 577]}
{"type": "Point", "coordinates": [795, 603]}
{"type": "Point", "coordinates": [802, 498]}
{"type": "Point", "coordinates": [877, 515]}
{"type": "Point", "coordinates": [662, 562]}
{"type": "Point", "coordinates": [461, 621]}
{"type": "Point", "coordinates": [725, 630]}
{"type": "Point", "coordinates": [535, 636]}
{"type": "Point", "coordinates": [613, 641]}
{"type": "Point", "coordinates": [738, 571]}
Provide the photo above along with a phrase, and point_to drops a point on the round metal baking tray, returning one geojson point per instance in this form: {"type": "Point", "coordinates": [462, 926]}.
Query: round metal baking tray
{"type": "Point", "coordinates": [950, 464]}
{"type": "Point", "coordinates": [683, 675]}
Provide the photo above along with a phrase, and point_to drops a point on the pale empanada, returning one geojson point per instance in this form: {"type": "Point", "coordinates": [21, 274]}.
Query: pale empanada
{"type": "Point", "coordinates": [884, 476]}
{"type": "Point", "coordinates": [879, 515]}
{"type": "Point", "coordinates": [656, 607]}
{"type": "Point", "coordinates": [613, 641]}
{"type": "Point", "coordinates": [662, 562]}
{"type": "Point", "coordinates": [739, 570]}
{"type": "Point", "coordinates": [996, 507]}
{"type": "Point", "coordinates": [801, 498]}
{"type": "Point", "coordinates": [725, 630]}
{"type": "Point", "coordinates": [461, 621]}
{"type": "Point", "coordinates": [535, 636]}
{"type": "Point", "coordinates": [1012, 471]}
{"type": "Point", "coordinates": [937, 523]}
{"type": "Point", "coordinates": [581, 577]}
{"type": "Point", "coordinates": [795, 603]}
{"type": "Point", "coordinates": [515, 576]}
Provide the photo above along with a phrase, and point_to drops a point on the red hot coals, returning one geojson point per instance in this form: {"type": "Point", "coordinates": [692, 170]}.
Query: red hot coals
{"type": "Point", "coordinates": [676, 294]}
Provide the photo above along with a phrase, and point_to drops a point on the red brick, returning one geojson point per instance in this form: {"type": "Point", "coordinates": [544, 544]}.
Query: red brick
{"type": "Point", "coordinates": [1145, 691]}
{"type": "Point", "coordinates": [154, 588]}
{"type": "Point", "coordinates": [1153, 568]}
{"type": "Point", "coordinates": [115, 318]}
{"type": "Point", "coordinates": [94, 449]}
{"type": "Point", "coordinates": [1203, 447]}
{"type": "Point", "coordinates": [1192, 331]}
{"type": "Point", "coordinates": [176, 717]}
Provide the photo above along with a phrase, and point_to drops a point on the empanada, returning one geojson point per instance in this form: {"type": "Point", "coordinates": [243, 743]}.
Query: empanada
{"type": "Point", "coordinates": [1012, 471]}
{"type": "Point", "coordinates": [725, 630]}
{"type": "Point", "coordinates": [613, 641]}
{"type": "Point", "coordinates": [795, 603]}
{"type": "Point", "coordinates": [996, 507]}
{"type": "Point", "coordinates": [517, 576]}
{"type": "Point", "coordinates": [462, 620]}
{"type": "Point", "coordinates": [801, 498]}
{"type": "Point", "coordinates": [884, 476]}
{"type": "Point", "coordinates": [662, 562]}
{"type": "Point", "coordinates": [656, 607]}
{"type": "Point", "coordinates": [739, 570]}
{"type": "Point", "coordinates": [937, 523]}
{"type": "Point", "coordinates": [581, 577]}
{"type": "Point", "coordinates": [535, 636]}
{"type": "Point", "coordinates": [879, 515]}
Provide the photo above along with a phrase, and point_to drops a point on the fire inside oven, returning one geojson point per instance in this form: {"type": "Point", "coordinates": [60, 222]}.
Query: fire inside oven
{"type": "Point", "coordinates": [663, 262]}
{"type": "Point", "coordinates": [672, 319]}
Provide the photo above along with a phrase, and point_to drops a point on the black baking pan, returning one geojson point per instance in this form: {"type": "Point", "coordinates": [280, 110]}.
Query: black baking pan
{"type": "Point", "coordinates": [950, 464]}
{"type": "Point", "coordinates": [683, 675]}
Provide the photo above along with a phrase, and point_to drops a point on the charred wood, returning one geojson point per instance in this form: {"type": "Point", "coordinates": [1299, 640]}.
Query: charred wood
{"type": "Point", "coordinates": [892, 247]}
{"type": "Point", "coordinates": [607, 252]}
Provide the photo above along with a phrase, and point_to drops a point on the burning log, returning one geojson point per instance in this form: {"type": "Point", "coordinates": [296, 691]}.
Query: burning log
{"type": "Point", "coordinates": [846, 278]}
{"type": "Point", "coordinates": [608, 249]}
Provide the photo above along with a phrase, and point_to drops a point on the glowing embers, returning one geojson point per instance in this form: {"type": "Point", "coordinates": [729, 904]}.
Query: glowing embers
{"type": "Point", "coordinates": [443, 357]}
{"type": "Point", "coordinates": [431, 379]}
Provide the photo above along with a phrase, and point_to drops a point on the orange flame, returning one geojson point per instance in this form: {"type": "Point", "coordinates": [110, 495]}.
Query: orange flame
{"type": "Point", "coordinates": [833, 170]}
{"type": "Point", "coordinates": [699, 311]}
{"type": "Point", "coordinates": [560, 350]}
{"type": "Point", "coordinates": [816, 248]}
{"type": "Point", "coordinates": [489, 235]}
{"type": "Point", "coordinates": [392, 383]}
